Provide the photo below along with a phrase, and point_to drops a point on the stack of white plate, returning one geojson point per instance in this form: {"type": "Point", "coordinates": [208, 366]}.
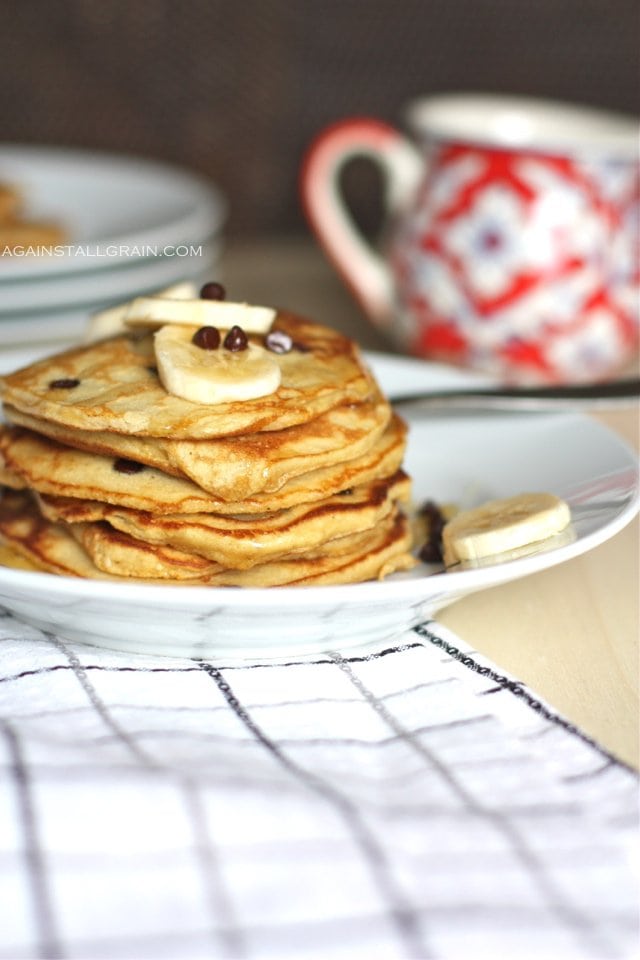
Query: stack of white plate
{"type": "Point", "coordinates": [132, 226]}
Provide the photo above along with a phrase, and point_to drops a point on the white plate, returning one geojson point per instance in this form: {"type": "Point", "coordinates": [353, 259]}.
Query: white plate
{"type": "Point", "coordinates": [114, 208]}
{"type": "Point", "coordinates": [463, 459]}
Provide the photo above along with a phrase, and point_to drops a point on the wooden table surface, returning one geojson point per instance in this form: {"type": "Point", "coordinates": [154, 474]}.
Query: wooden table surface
{"type": "Point", "coordinates": [571, 633]}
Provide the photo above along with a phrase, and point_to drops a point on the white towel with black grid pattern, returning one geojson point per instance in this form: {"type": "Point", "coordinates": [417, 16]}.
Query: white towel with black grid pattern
{"type": "Point", "coordinates": [410, 804]}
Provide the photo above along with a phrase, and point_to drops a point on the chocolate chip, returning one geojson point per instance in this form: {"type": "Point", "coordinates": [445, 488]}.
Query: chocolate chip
{"type": "Point", "coordinates": [65, 383]}
{"type": "Point", "coordinates": [278, 341]}
{"type": "Point", "coordinates": [301, 347]}
{"type": "Point", "coordinates": [153, 370]}
{"type": "Point", "coordinates": [213, 291]}
{"type": "Point", "coordinates": [122, 465]}
{"type": "Point", "coordinates": [236, 340]}
{"type": "Point", "coordinates": [207, 338]}
{"type": "Point", "coordinates": [431, 551]}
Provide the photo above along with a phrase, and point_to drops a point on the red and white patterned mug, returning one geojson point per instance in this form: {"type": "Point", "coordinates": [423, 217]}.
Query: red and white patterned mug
{"type": "Point", "coordinates": [512, 233]}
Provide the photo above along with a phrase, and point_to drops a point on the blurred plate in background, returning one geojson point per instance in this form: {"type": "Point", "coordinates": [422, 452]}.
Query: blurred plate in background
{"type": "Point", "coordinates": [132, 226]}
{"type": "Point", "coordinates": [114, 209]}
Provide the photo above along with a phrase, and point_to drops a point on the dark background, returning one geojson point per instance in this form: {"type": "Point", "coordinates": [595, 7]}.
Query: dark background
{"type": "Point", "coordinates": [236, 90]}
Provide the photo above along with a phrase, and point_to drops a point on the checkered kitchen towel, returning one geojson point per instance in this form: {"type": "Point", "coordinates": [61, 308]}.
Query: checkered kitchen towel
{"type": "Point", "coordinates": [409, 804]}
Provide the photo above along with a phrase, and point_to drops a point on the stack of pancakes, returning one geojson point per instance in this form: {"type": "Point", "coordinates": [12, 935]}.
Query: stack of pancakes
{"type": "Point", "coordinates": [107, 475]}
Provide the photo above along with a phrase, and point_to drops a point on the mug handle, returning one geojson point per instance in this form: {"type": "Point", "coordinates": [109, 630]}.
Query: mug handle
{"type": "Point", "coordinates": [362, 268]}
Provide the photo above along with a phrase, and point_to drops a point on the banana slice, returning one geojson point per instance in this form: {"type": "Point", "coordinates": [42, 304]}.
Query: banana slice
{"type": "Point", "coordinates": [107, 323]}
{"type": "Point", "coordinates": [212, 376]}
{"type": "Point", "coordinates": [156, 311]}
{"type": "Point", "coordinates": [502, 525]}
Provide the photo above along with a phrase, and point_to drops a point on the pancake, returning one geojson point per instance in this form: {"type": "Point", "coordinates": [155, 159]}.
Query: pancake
{"type": "Point", "coordinates": [48, 466]}
{"type": "Point", "coordinates": [114, 552]}
{"type": "Point", "coordinates": [113, 386]}
{"type": "Point", "coordinates": [53, 548]}
{"type": "Point", "coordinates": [18, 231]}
{"type": "Point", "coordinates": [29, 236]}
{"type": "Point", "coordinates": [243, 542]}
{"type": "Point", "coordinates": [7, 477]}
{"type": "Point", "coordinates": [233, 468]}
{"type": "Point", "coordinates": [10, 201]}
{"type": "Point", "coordinates": [372, 555]}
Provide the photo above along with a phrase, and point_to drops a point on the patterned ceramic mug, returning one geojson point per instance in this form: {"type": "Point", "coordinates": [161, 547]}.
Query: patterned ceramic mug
{"type": "Point", "coordinates": [512, 233]}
